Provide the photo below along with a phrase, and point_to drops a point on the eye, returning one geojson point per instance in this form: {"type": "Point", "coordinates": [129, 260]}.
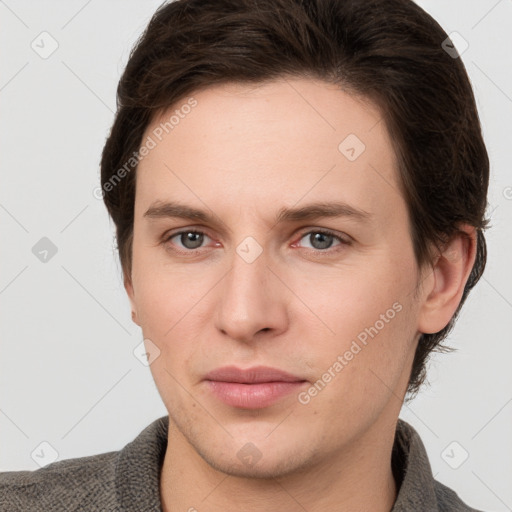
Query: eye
{"type": "Point", "coordinates": [321, 240]}
{"type": "Point", "coordinates": [190, 239]}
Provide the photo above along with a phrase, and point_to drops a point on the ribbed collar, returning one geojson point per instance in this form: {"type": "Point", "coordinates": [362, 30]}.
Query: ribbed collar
{"type": "Point", "coordinates": [138, 469]}
{"type": "Point", "coordinates": [412, 472]}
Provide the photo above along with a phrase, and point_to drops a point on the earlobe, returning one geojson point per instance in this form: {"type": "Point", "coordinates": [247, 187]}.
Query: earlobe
{"type": "Point", "coordinates": [450, 273]}
{"type": "Point", "coordinates": [128, 286]}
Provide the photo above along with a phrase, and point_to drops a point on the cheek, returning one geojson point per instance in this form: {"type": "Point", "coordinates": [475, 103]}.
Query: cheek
{"type": "Point", "coordinates": [347, 301]}
{"type": "Point", "coordinates": [362, 370]}
{"type": "Point", "coordinates": [166, 296]}
{"type": "Point", "coordinates": [165, 304]}
{"type": "Point", "coordinates": [173, 309]}
{"type": "Point", "coordinates": [366, 317]}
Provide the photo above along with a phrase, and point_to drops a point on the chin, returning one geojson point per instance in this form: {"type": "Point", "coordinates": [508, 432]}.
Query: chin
{"type": "Point", "coordinates": [249, 462]}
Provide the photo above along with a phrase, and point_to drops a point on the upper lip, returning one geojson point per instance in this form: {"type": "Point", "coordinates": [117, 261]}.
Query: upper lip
{"type": "Point", "coordinates": [254, 375]}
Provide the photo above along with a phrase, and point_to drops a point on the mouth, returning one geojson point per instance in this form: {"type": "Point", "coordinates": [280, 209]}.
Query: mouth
{"type": "Point", "coordinates": [252, 388]}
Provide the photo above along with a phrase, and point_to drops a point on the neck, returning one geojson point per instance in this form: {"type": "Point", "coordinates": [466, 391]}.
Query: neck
{"type": "Point", "coordinates": [356, 478]}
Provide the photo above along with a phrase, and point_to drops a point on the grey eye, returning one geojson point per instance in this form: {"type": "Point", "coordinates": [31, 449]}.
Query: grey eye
{"type": "Point", "coordinates": [190, 239]}
{"type": "Point", "coordinates": [320, 240]}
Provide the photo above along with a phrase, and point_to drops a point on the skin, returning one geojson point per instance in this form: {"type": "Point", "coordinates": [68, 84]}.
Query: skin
{"type": "Point", "coordinates": [243, 153]}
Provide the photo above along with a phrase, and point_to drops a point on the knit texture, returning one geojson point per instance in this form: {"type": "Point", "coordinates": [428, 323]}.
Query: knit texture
{"type": "Point", "coordinates": [128, 480]}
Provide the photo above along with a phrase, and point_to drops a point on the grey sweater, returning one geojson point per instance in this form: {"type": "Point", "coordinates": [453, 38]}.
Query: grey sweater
{"type": "Point", "coordinates": [128, 480]}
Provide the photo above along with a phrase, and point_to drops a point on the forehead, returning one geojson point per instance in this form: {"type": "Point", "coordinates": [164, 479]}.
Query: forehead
{"type": "Point", "coordinates": [269, 145]}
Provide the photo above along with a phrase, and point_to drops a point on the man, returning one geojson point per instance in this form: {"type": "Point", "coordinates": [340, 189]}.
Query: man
{"type": "Point", "coordinates": [299, 193]}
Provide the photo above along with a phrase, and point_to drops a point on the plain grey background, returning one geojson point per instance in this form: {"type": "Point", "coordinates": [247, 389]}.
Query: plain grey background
{"type": "Point", "coordinates": [68, 376]}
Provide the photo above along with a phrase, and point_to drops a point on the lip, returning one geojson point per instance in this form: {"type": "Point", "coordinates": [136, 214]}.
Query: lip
{"type": "Point", "coordinates": [254, 375]}
{"type": "Point", "coordinates": [252, 388]}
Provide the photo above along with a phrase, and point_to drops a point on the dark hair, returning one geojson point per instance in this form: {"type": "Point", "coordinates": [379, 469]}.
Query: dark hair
{"type": "Point", "coordinates": [388, 51]}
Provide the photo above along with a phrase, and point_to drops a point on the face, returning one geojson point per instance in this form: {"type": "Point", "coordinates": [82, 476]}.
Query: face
{"type": "Point", "coordinates": [263, 278]}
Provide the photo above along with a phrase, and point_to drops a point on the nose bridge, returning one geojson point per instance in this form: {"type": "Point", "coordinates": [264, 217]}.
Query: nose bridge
{"type": "Point", "coordinates": [250, 300]}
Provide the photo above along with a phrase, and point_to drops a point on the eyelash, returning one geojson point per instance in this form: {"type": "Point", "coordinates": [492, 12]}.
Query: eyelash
{"type": "Point", "coordinates": [343, 241]}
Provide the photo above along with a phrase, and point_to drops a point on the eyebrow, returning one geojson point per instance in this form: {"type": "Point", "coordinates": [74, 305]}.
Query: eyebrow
{"type": "Point", "coordinates": [309, 212]}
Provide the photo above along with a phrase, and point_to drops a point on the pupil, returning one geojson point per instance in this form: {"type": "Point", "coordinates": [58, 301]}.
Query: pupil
{"type": "Point", "coordinates": [321, 238]}
{"type": "Point", "coordinates": [194, 239]}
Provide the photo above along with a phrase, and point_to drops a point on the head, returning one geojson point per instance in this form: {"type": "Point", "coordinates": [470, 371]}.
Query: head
{"type": "Point", "coordinates": [245, 110]}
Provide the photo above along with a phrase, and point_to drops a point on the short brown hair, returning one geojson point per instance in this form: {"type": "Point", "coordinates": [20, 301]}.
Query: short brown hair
{"type": "Point", "coordinates": [389, 51]}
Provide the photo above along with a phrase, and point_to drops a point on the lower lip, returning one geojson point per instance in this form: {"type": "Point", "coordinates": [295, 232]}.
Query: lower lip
{"type": "Point", "coordinates": [252, 396]}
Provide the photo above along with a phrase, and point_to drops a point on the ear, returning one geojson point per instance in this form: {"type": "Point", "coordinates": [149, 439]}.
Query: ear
{"type": "Point", "coordinates": [444, 286]}
{"type": "Point", "coordinates": [128, 286]}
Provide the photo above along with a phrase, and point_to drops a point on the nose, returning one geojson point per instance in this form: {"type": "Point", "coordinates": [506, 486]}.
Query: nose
{"type": "Point", "coordinates": [252, 300]}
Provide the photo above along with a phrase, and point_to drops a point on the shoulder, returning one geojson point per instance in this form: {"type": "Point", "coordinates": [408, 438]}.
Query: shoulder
{"type": "Point", "coordinates": [449, 501]}
{"type": "Point", "coordinates": [66, 485]}
{"type": "Point", "coordinates": [418, 488]}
